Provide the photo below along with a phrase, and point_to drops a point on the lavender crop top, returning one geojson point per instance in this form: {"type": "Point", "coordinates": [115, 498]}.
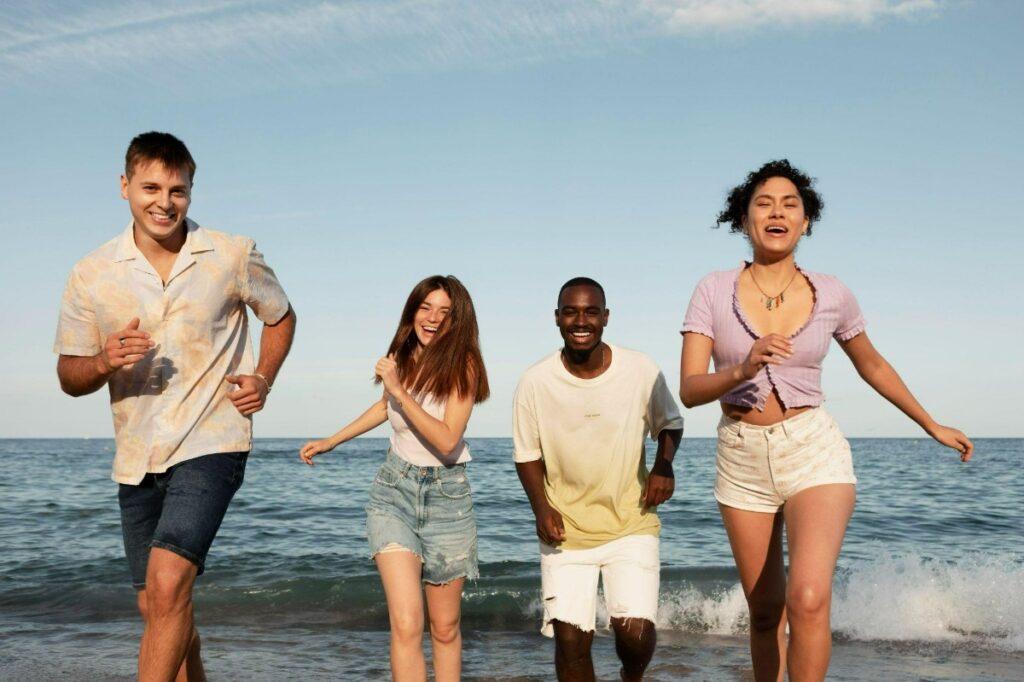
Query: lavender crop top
{"type": "Point", "coordinates": [715, 312]}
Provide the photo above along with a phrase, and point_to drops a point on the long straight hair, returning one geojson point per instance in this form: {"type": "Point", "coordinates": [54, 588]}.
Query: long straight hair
{"type": "Point", "coordinates": [452, 361]}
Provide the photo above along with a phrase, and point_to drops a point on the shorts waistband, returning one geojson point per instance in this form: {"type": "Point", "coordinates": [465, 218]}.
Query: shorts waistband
{"type": "Point", "coordinates": [409, 470]}
{"type": "Point", "coordinates": [786, 426]}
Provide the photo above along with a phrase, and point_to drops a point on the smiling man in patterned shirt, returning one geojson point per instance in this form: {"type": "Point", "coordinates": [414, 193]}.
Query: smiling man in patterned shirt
{"type": "Point", "coordinates": [158, 315]}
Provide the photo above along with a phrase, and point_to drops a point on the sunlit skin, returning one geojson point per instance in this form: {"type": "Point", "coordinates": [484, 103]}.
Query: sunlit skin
{"type": "Point", "coordinates": [816, 518]}
{"type": "Point", "coordinates": [430, 315]}
{"type": "Point", "coordinates": [401, 571]}
{"type": "Point", "coordinates": [581, 318]}
{"type": "Point", "coordinates": [774, 224]}
{"type": "Point", "coordinates": [158, 198]}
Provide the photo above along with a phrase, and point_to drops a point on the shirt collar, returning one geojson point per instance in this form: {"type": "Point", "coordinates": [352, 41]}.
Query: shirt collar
{"type": "Point", "coordinates": [196, 241]}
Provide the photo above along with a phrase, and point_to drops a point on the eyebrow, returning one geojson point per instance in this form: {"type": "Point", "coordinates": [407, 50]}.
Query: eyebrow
{"type": "Point", "coordinates": [155, 183]}
{"type": "Point", "coordinates": [772, 196]}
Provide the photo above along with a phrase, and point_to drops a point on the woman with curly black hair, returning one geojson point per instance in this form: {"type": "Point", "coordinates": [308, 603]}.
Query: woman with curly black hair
{"type": "Point", "coordinates": [782, 461]}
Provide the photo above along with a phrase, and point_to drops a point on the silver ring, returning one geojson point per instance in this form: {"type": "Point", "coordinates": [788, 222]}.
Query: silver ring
{"type": "Point", "coordinates": [121, 341]}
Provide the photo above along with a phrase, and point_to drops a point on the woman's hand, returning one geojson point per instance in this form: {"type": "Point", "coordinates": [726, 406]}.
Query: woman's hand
{"type": "Point", "coordinates": [767, 350]}
{"type": "Point", "coordinates": [387, 370]}
{"type": "Point", "coordinates": [314, 448]}
{"type": "Point", "coordinates": [953, 438]}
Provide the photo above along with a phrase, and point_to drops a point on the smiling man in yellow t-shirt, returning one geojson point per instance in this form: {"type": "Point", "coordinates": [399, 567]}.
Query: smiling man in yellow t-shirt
{"type": "Point", "coordinates": [581, 418]}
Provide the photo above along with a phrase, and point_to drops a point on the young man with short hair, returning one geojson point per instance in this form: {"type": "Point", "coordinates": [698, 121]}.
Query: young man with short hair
{"type": "Point", "coordinates": [581, 418]}
{"type": "Point", "coordinates": [157, 314]}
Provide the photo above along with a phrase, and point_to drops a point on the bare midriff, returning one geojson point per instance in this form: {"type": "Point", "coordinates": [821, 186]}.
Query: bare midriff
{"type": "Point", "coordinates": [773, 412]}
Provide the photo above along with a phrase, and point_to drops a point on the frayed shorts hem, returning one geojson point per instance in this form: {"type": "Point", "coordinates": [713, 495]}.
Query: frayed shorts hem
{"type": "Point", "coordinates": [628, 569]}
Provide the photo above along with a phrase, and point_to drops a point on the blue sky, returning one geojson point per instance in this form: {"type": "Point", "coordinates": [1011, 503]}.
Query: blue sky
{"type": "Point", "coordinates": [515, 144]}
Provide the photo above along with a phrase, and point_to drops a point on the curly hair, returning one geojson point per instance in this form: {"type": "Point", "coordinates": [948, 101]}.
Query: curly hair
{"type": "Point", "coordinates": [738, 201]}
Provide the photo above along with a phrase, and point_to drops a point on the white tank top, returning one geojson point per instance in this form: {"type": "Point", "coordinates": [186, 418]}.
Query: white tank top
{"type": "Point", "coordinates": [407, 443]}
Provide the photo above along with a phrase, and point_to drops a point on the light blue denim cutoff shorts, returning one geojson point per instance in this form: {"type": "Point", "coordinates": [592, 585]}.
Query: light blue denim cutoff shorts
{"type": "Point", "coordinates": [427, 510]}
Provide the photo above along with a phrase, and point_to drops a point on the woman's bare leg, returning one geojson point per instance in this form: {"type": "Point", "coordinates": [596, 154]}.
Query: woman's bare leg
{"type": "Point", "coordinates": [816, 520]}
{"type": "Point", "coordinates": [756, 539]}
{"type": "Point", "coordinates": [444, 608]}
{"type": "Point", "coordinates": [400, 572]}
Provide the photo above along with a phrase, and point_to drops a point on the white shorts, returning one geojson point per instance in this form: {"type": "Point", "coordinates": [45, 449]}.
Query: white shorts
{"type": "Point", "coordinates": [760, 467]}
{"type": "Point", "coordinates": [630, 573]}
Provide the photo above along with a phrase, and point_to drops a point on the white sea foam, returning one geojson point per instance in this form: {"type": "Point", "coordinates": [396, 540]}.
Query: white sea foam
{"type": "Point", "coordinates": [976, 602]}
{"type": "Point", "coordinates": [722, 613]}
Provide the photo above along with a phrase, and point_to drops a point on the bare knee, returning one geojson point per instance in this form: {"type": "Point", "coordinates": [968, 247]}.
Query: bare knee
{"type": "Point", "coordinates": [167, 592]}
{"type": "Point", "coordinates": [572, 645]}
{"type": "Point", "coordinates": [808, 601]}
{"type": "Point", "coordinates": [444, 631]}
{"type": "Point", "coordinates": [635, 640]}
{"type": "Point", "coordinates": [634, 634]}
{"type": "Point", "coordinates": [407, 626]}
{"type": "Point", "coordinates": [766, 612]}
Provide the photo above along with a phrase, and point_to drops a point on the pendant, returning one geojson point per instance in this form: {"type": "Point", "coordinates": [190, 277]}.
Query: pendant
{"type": "Point", "coordinates": [772, 302]}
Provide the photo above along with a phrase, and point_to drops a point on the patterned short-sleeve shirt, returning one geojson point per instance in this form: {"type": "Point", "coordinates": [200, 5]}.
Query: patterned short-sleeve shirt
{"type": "Point", "coordinates": [172, 405]}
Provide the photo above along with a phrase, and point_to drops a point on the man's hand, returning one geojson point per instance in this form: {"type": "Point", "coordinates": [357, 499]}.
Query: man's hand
{"type": "Point", "coordinates": [550, 528]}
{"type": "Point", "coordinates": [658, 490]}
{"type": "Point", "coordinates": [251, 394]}
{"type": "Point", "coordinates": [124, 348]}
{"type": "Point", "coordinates": [661, 483]}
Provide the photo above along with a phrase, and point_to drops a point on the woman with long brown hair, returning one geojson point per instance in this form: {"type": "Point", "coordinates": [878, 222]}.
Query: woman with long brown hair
{"type": "Point", "coordinates": [419, 519]}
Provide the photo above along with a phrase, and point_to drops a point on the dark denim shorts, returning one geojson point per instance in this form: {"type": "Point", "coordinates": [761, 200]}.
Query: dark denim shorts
{"type": "Point", "coordinates": [428, 511]}
{"type": "Point", "coordinates": [179, 510]}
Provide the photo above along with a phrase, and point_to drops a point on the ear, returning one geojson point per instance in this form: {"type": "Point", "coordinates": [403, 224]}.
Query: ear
{"type": "Point", "coordinates": [124, 186]}
{"type": "Point", "coordinates": [605, 317]}
{"type": "Point", "coordinates": [556, 317]}
{"type": "Point", "coordinates": [807, 225]}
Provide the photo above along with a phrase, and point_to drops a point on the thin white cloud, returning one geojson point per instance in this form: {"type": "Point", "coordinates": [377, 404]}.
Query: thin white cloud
{"type": "Point", "coordinates": [260, 40]}
{"type": "Point", "coordinates": [695, 16]}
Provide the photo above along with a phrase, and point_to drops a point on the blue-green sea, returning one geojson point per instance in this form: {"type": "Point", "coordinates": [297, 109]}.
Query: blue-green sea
{"type": "Point", "coordinates": [930, 584]}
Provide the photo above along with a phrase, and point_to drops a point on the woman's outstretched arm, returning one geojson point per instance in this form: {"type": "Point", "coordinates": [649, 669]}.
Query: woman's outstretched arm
{"type": "Point", "coordinates": [880, 375]}
{"type": "Point", "coordinates": [376, 415]}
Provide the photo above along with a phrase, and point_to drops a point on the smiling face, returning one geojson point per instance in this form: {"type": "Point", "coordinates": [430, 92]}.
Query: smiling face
{"type": "Point", "coordinates": [581, 318]}
{"type": "Point", "coordinates": [158, 198]}
{"type": "Point", "coordinates": [775, 218]}
{"type": "Point", "coordinates": [429, 316]}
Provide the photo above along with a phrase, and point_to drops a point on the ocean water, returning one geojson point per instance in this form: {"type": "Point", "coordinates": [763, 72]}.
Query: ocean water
{"type": "Point", "coordinates": [930, 584]}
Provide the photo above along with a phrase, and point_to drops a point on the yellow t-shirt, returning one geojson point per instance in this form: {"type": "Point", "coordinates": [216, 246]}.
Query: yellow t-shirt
{"type": "Point", "coordinates": [590, 434]}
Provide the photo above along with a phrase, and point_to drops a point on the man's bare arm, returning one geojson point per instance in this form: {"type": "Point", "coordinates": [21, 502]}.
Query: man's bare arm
{"type": "Point", "coordinates": [80, 375]}
{"type": "Point", "coordinates": [550, 528]}
{"type": "Point", "coordinates": [275, 342]}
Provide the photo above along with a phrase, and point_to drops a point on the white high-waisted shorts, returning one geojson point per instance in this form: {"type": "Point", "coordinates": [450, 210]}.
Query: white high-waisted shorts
{"type": "Point", "coordinates": [630, 572]}
{"type": "Point", "coordinates": [760, 467]}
